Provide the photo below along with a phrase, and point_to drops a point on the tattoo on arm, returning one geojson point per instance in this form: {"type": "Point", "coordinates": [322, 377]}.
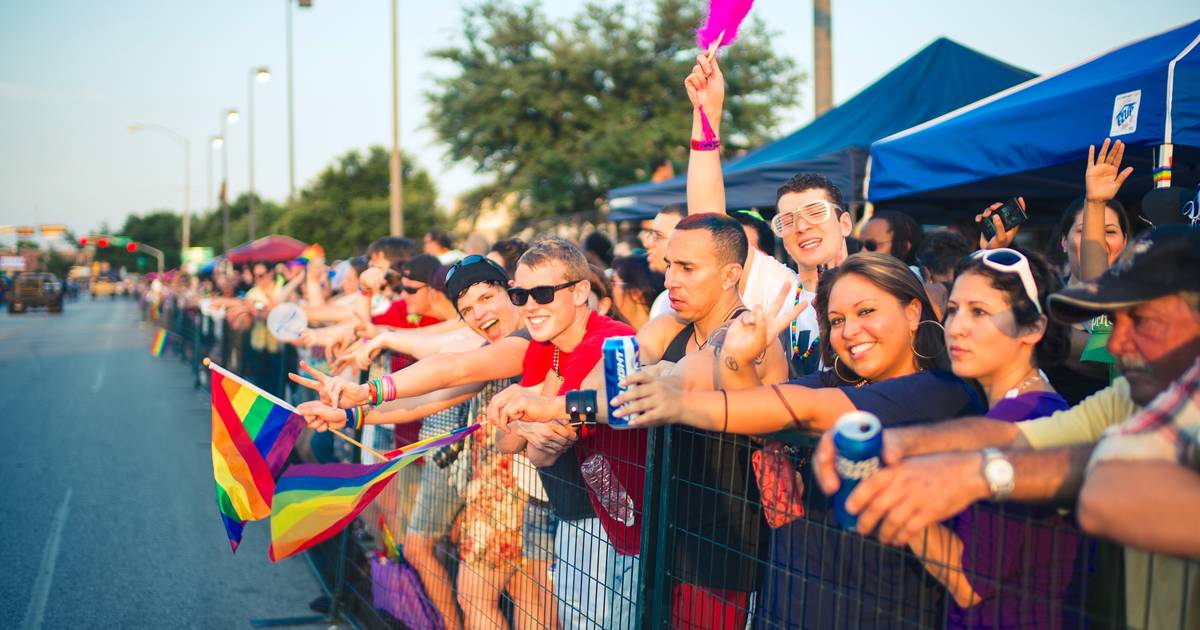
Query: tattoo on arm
{"type": "Point", "coordinates": [731, 363]}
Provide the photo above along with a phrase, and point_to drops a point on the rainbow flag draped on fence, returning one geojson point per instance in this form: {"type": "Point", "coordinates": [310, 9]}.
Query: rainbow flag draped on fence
{"type": "Point", "coordinates": [159, 344]}
{"type": "Point", "coordinates": [313, 502]}
{"type": "Point", "coordinates": [252, 434]}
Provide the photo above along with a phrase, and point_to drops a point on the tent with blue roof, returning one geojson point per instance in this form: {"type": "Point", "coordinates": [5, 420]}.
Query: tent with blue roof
{"type": "Point", "coordinates": [1032, 138]}
{"type": "Point", "coordinates": [941, 77]}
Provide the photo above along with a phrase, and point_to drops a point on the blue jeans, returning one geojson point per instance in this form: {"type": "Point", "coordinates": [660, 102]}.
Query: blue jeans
{"type": "Point", "coordinates": [596, 587]}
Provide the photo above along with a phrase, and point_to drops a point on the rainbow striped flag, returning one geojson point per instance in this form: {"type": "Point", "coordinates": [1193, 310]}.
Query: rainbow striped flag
{"type": "Point", "coordinates": [252, 434]}
{"type": "Point", "coordinates": [159, 344]}
{"type": "Point", "coordinates": [311, 253]}
{"type": "Point", "coordinates": [313, 502]}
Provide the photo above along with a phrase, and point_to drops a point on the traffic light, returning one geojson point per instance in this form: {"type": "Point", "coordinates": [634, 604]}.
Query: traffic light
{"type": "Point", "coordinates": [131, 247]}
{"type": "Point", "coordinates": [102, 242]}
{"type": "Point", "coordinates": [83, 241]}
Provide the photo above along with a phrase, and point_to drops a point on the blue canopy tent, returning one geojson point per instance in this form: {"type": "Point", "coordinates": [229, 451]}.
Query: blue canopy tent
{"type": "Point", "coordinates": [1032, 138]}
{"type": "Point", "coordinates": [941, 77]}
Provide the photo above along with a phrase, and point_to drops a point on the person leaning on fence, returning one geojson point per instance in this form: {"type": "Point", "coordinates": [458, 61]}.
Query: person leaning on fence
{"type": "Point", "coordinates": [1011, 567]}
{"type": "Point", "coordinates": [889, 359]}
{"type": "Point", "coordinates": [598, 539]}
{"type": "Point", "coordinates": [935, 472]}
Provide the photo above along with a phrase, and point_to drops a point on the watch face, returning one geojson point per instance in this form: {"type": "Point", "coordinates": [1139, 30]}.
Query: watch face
{"type": "Point", "coordinates": [999, 472]}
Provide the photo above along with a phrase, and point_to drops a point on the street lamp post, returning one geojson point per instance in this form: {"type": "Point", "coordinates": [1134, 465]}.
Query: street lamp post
{"type": "Point", "coordinates": [214, 143]}
{"type": "Point", "coordinates": [260, 74]}
{"type": "Point", "coordinates": [187, 172]}
{"type": "Point", "coordinates": [228, 116]}
{"type": "Point", "coordinates": [397, 199]}
{"type": "Point", "coordinates": [291, 109]}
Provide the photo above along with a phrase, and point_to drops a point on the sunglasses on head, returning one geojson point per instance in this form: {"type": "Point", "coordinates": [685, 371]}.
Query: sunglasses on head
{"type": "Point", "coordinates": [814, 212]}
{"type": "Point", "coordinates": [1007, 260]}
{"type": "Point", "coordinates": [542, 295]}
{"type": "Point", "coordinates": [473, 259]}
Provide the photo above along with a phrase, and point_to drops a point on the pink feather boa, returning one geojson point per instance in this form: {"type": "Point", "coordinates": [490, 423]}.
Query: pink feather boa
{"type": "Point", "coordinates": [723, 15]}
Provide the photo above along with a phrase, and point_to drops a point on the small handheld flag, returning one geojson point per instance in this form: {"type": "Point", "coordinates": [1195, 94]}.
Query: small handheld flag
{"type": "Point", "coordinates": [159, 344]}
{"type": "Point", "coordinates": [313, 502]}
{"type": "Point", "coordinates": [311, 253]}
{"type": "Point", "coordinates": [252, 434]}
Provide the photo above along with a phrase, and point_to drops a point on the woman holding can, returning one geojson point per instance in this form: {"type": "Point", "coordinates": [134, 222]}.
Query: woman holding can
{"type": "Point", "coordinates": [888, 358]}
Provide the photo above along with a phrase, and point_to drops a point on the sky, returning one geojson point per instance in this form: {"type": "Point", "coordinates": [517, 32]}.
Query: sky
{"type": "Point", "coordinates": [74, 74]}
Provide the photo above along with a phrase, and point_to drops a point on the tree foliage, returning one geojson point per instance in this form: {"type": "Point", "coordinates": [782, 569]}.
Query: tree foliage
{"type": "Point", "coordinates": [564, 112]}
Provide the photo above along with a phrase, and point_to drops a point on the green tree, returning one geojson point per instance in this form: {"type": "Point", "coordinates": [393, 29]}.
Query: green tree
{"type": "Point", "coordinates": [564, 112]}
{"type": "Point", "coordinates": [347, 205]}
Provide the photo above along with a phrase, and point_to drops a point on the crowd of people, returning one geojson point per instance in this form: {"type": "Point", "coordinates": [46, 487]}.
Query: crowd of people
{"type": "Point", "coordinates": [1031, 403]}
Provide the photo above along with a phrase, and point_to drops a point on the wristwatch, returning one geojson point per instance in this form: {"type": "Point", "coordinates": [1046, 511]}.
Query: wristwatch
{"type": "Point", "coordinates": [998, 473]}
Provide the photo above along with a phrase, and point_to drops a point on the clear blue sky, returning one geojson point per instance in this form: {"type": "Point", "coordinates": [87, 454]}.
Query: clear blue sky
{"type": "Point", "coordinates": [75, 73]}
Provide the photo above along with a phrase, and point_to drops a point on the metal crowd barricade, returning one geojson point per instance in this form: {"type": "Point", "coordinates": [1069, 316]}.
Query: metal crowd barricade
{"type": "Point", "coordinates": [711, 554]}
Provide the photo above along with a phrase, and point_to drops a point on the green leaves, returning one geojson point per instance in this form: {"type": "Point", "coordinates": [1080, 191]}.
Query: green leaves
{"type": "Point", "coordinates": [562, 112]}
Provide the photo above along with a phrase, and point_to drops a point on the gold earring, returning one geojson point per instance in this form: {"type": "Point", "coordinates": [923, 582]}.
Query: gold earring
{"type": "Point", "coordinates": [839, 374]}
{"type": "Point", "coordinates": [912, 341]}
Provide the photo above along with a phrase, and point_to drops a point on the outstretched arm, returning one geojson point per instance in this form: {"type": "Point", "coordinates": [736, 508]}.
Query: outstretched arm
{"type": "Point", "coordinates": [705, 184]}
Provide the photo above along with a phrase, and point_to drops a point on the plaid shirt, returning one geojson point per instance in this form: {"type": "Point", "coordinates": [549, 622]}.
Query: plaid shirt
{"type": "Point", "coordinates": [1168, 429]}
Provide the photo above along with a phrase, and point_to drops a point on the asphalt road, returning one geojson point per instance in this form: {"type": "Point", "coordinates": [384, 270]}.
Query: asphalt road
{"type": "Point", "coordinates": [107, 514]}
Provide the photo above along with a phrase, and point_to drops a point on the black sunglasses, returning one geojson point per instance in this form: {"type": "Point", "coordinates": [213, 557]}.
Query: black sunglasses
{"type": "Point", "coordinates": [411, 290]}
{"type": "Point", "coordinates": [541, 295]}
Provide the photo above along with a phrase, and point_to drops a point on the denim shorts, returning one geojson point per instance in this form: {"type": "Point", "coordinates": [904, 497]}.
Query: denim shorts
{"type": "Point", "coordinates": [537, 532]}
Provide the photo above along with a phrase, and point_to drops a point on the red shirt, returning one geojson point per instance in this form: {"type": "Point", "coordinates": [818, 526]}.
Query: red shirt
{"type": "Point", "coordinates": [397, 316]}
{"type": "Point", "coordinates": [625, 449]}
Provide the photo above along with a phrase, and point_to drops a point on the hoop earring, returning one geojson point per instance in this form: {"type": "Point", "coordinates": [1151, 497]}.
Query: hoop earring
{"type": "Point", "coordinates": [839, 374]}
{"type": "Point", "coordinates": [912, 342]}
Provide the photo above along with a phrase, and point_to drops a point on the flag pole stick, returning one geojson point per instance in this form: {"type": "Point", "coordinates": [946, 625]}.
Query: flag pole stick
{"type": "Point", "coordinates": [210, 364]}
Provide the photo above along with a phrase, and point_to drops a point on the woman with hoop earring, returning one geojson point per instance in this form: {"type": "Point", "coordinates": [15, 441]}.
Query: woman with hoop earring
{"type": "Point", "coordinates": [887, 355]}
{"type": "Point", "coordinates": [998, 335]}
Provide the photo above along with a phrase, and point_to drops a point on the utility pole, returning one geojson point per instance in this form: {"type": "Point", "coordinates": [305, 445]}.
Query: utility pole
{"type": "Point", "coordinates": [822, 56]}
{"type": "Point", "coordinates": [397, 205]}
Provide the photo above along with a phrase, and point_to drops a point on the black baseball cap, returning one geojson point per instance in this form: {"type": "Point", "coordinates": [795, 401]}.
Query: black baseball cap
{"type": "Point", "coordinates": [470, 271]}
{"type": "Point", "coordinates": [1159, 262]}
{"type": "Point", "coordinates": [420, 268]}
{"type": "Point", "coordinates": [1170, 205]}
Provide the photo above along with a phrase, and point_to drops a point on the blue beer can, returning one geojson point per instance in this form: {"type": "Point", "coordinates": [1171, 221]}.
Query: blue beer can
{"type": "Point", "coordinates": [620, 360]}
{"type": "Point", "coordinates": [858, 440]}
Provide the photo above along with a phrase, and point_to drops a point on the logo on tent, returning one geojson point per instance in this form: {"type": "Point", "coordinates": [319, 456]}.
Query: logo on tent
{"type": "Point", "coordinates": [1125, 113]}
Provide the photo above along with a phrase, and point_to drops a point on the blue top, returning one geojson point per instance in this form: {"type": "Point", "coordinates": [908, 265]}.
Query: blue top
{"type": "Point", "coordinates": [821, 576]}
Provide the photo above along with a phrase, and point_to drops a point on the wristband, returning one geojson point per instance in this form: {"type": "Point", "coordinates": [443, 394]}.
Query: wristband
{"type": "Point", "coordinates": [581, 406]}
{"type": "Point", "coordinates": [706, 145]}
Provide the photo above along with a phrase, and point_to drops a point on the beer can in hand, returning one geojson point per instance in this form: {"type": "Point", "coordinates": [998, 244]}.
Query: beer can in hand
{"type": "Point", "coordinates": [858, 440]}
{"type": "Point", "coordinates": [620, 360]}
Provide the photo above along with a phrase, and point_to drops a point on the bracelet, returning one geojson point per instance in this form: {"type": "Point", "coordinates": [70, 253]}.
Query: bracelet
{"type": "Point", "coordinates": [355, 416]}
{"type": "Point", "coordinates": [381, 390]}
{"type": "Point", "coordinates": [373, 391]}
{"type": "Point", "coordinates": [706, 145]}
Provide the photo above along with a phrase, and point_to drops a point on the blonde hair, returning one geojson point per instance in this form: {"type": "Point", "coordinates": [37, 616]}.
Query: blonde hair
{"type": "Point", "coordinates": [554, 249]}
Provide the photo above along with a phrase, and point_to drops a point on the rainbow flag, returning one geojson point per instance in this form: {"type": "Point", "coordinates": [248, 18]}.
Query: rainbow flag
{"type": "Point", "coordinates": [313, 502]}
{"type": "Point", "coordinates": [252, 434]}
{"type": "Point", "coordinates": [159, 344]}
{"type": "Point", "coordinates": [311, 252]}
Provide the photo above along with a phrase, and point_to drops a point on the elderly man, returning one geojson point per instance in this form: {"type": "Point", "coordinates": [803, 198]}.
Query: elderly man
{"type": "Point", "coordinates": [1146, 466]}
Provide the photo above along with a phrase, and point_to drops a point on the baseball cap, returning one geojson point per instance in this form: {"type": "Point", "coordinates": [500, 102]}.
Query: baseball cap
{"type": "Point", "coordinates": [1159, 262]}
{"type": "Point", "coordinates": [1170, 206]}
{"type": "Point", "coordinates": [420, 268]}
{"type": "Point", "coordinates": [470, 271]}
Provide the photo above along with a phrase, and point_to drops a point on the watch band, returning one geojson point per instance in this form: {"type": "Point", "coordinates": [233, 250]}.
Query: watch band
{"type": "Point", "coordinates": [999, 487]}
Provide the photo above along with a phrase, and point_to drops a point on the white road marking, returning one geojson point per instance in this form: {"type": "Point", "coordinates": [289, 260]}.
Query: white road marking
{"type": "Point", "coordinates": [35, 614]}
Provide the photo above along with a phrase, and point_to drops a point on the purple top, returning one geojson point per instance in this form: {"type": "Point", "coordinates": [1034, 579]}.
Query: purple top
{"type": "Point", "coordinates": [1020, 559]}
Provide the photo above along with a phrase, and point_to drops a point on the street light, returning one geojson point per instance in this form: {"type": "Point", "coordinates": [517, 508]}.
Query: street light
{"type": "Point", "coordinates": [215, 143]}
{"type": "Point", "coordinates": [260, 74]}
{"type": "Point", "coordinates": [228, 116]}
{"type": "Point", "coordinates": [187, 172]}
{"type": "Point", "coordinates": [304, 4]}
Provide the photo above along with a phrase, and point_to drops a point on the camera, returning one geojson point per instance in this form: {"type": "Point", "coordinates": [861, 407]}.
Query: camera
{"type": "Point", "coordinates": [448, 454]}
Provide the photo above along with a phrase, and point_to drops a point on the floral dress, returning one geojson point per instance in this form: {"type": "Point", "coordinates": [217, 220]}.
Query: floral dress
{"type": "Point", "coordinates": [489, 527]}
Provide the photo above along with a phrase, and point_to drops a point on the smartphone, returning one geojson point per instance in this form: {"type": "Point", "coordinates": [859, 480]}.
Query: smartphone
{"type": "Point", "coordinates": [1011, 214]}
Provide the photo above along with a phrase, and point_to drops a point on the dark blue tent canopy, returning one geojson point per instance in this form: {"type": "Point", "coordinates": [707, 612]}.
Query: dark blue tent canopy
{"type": "Point", "coordinates": [941, 77]}
{"type": "Point", "coordinates": [1032, 139]}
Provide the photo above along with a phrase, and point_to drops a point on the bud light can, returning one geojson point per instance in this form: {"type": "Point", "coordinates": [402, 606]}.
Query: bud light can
{"type": "Point", "coordinates": [620, 360]}
{"type": "Point", "coordinates": [858, 439]}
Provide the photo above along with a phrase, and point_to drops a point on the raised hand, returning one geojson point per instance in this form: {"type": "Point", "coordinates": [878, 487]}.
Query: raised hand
{"type": "Point", "coordinates": [1003, 238]}
{"type": "Point", "coordinates": [1104, 177]}
{"type": "Point", "coordinates": [706, 85]}
{"type": "Point", "coordinates": [749, 335]}
{"type": "Point", "coordinates": [322, 417]}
